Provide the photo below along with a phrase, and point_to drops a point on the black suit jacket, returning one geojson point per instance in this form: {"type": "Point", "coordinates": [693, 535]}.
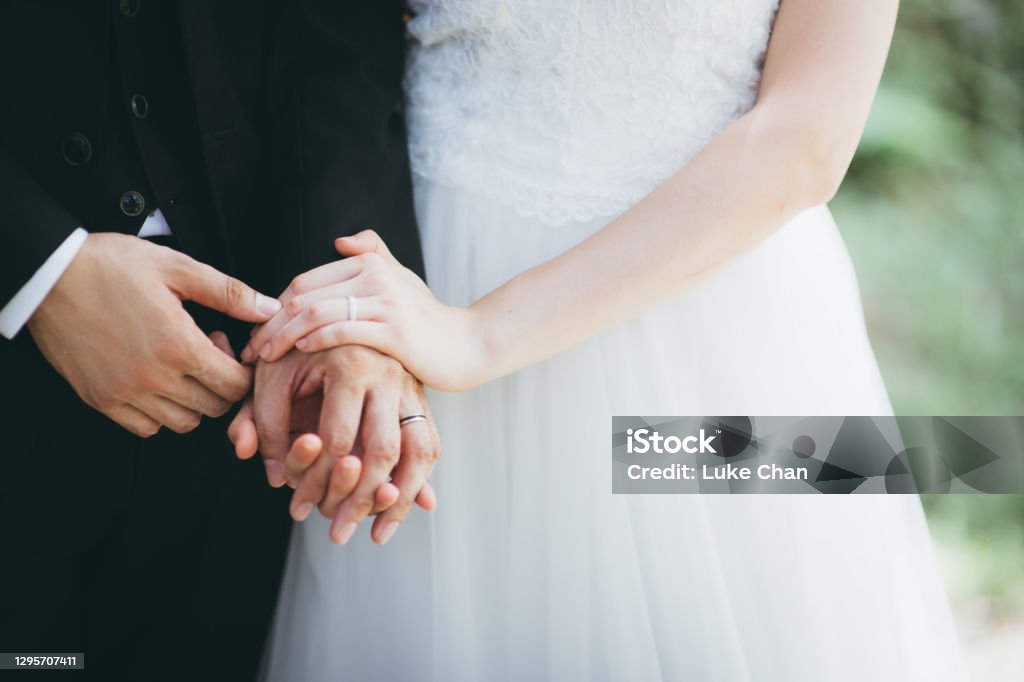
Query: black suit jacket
{"type": "Point", "coordinates": [295, 121]}
{"type": "Point", "coordinates": [273, 127]}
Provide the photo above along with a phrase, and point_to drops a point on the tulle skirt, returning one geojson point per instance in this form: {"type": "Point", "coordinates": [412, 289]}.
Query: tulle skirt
{"type": "Point", "coordinates": [530, 569]}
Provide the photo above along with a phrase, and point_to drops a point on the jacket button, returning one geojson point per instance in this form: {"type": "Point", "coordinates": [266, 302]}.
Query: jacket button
{"type": "Point", "coordinates": [77, 149]}
{"type": "Point", "coordinates": [132, 204]}
{"type": "Point", "coordinates": [139, 106]}
{"type": "Point", "coordinates": [129, 8]}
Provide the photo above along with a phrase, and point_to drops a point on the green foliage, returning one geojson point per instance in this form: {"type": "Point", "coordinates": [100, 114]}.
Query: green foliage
{"type": "Point", "coordinates": [933, 214]}
{"type": "Point", "coordinates": [933, 210]}
{"type": "Point", "coordinates": [984, 546]}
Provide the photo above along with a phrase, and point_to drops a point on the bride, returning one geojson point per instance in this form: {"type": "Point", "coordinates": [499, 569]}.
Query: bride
{"type": "Point", "coordinates": [622, 205]}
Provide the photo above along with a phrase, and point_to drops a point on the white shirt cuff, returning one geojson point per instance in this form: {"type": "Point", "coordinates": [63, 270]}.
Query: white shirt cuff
{"type": "Point", "coordinates": [20, 308]}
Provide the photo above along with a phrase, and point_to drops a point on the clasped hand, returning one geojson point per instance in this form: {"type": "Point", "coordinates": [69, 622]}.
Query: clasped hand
{"type": "Point", "coordinates": [327, 424]}
{"type": "Point", "coordinates": [326, 407]}
{"type": "Point", "coordinates": [115, 328]}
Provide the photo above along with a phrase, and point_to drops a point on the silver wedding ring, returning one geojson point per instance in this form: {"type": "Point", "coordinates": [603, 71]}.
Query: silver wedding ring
{"type": "Point", "coordinates": [353, 309]}
{"type": "Point", "coordinates": [411, 419]}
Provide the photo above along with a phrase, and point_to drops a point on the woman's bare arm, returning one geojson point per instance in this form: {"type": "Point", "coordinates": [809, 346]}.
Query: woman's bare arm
{"type": "Point", "coordinates": [787, 154]}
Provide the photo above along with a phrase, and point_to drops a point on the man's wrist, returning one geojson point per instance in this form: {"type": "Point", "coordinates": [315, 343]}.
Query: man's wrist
{"type": "Point", "coordinates": [20, 309]}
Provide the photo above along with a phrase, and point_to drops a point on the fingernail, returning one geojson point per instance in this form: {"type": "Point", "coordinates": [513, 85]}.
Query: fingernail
{"type": "Point", "coordinates": [267, 305]}
{"type": "Point", "coordinates": [302, 344]}
{"type": "Point", "coordinates": [247, 354]}
{"type": "Point", "coordinates": [345, 534]}
{"type": "Point", "coordinates": [302, 513]}
{"type": "Point", "coordinates": [388, 531]}
{"type": "Point", "coordinates": [275, 474]}
{"type": "Point", "coordinates": [265, 351]}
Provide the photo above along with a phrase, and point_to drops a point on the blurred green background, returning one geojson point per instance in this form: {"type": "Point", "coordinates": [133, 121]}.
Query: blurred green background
{"type": "Point", "coordinates": [933, 214]}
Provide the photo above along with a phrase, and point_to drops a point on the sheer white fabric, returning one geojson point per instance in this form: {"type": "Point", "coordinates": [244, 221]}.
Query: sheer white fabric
{"type": "Point", "coordinates": [575, 109]}
{"type": "Point", "coordinates": [530, 569]}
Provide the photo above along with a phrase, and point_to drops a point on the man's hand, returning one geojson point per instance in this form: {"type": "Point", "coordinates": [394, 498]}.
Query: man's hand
{"type": "Point", "coordinates": [115, 328]}
{"type": "Point", "coordinates": [312, 411]}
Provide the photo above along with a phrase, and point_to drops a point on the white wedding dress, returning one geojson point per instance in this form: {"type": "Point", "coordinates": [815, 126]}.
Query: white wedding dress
{"type": "Point", "coordinates": [532, 124]}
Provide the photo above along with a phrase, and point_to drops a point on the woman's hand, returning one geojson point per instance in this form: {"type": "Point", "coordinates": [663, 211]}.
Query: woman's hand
{"type": "Point", "coordinates": [395, 313]}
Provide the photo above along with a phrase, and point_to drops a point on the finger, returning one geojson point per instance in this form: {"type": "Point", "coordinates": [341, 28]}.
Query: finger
{"type": "Point", "coordinates": [272, 410]}
{"type": "Point", "coordinates": [306, 448]}
{"type": "Point", "coordinates": [427, 497]}
{"type": "Point", "coordinates": [195, 281]}
{"type": "Point", "coordinates": [311, 318]}
{"type": "Point", "coordinates": [220, 340]}
{"type": "Point", "coordinates": [343, 406]}
{"type": "Point", "coordinates": [373, 334]}
{"type": "Point", "coordinates": [260, 334]}
{"type": "Point", "coordinates": [220, 373]}
{"type": "Point", "coordinates": [275, 473]}
{"type": "Point", "coordinates": [419, 455]}
{"type": "Point", "coordinates": [315, 316]}
{"type": "Point", "coordinates": [133, 419]}
{"type": "Point", "coordinates": [331, 273]}
{"type": "Point", "coordinates": [303, 453]}
{"type": "Point", "coordinates": [169, 413]}
{"type": "Point", "coordinates": [344, 476]}
{"type": "Point", "coordinates": [295, 307]}
{"type": "Point", "coordinates": [366, 241]}
{"type": "Point", "coordinates": [385, 497]}
{"type": "Point", "coordinates": [193, 395]}
{"type": "Point", "coordinates": [338, 428]}
{"type": "Point", "coordinates": [242, 431]}
{"type": "Point", "coordinates": [406, 478]}
{"type": "Point", "coordinates": [381, 442]}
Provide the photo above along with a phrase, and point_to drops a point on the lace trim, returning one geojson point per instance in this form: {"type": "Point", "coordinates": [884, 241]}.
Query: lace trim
{"type": "Point", "coordinates": [569, 111]}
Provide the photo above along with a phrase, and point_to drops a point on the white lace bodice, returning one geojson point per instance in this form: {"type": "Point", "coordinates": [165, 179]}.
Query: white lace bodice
{"type": "Point", "coordinates": [574, 109]}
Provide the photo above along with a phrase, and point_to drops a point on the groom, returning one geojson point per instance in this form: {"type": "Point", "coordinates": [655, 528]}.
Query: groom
{"type": "Point", "coordinates": [155, 155]}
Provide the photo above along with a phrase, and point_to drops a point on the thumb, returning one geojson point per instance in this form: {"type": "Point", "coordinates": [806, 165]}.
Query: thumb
{"type": "Point", "coordinates": [366, 241]}
{"type": "Point", "coordinates": [209, 287]}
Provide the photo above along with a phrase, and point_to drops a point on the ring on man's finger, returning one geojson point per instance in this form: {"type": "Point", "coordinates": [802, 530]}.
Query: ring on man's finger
{"type": "Point", "coordinates": [411, 419]}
